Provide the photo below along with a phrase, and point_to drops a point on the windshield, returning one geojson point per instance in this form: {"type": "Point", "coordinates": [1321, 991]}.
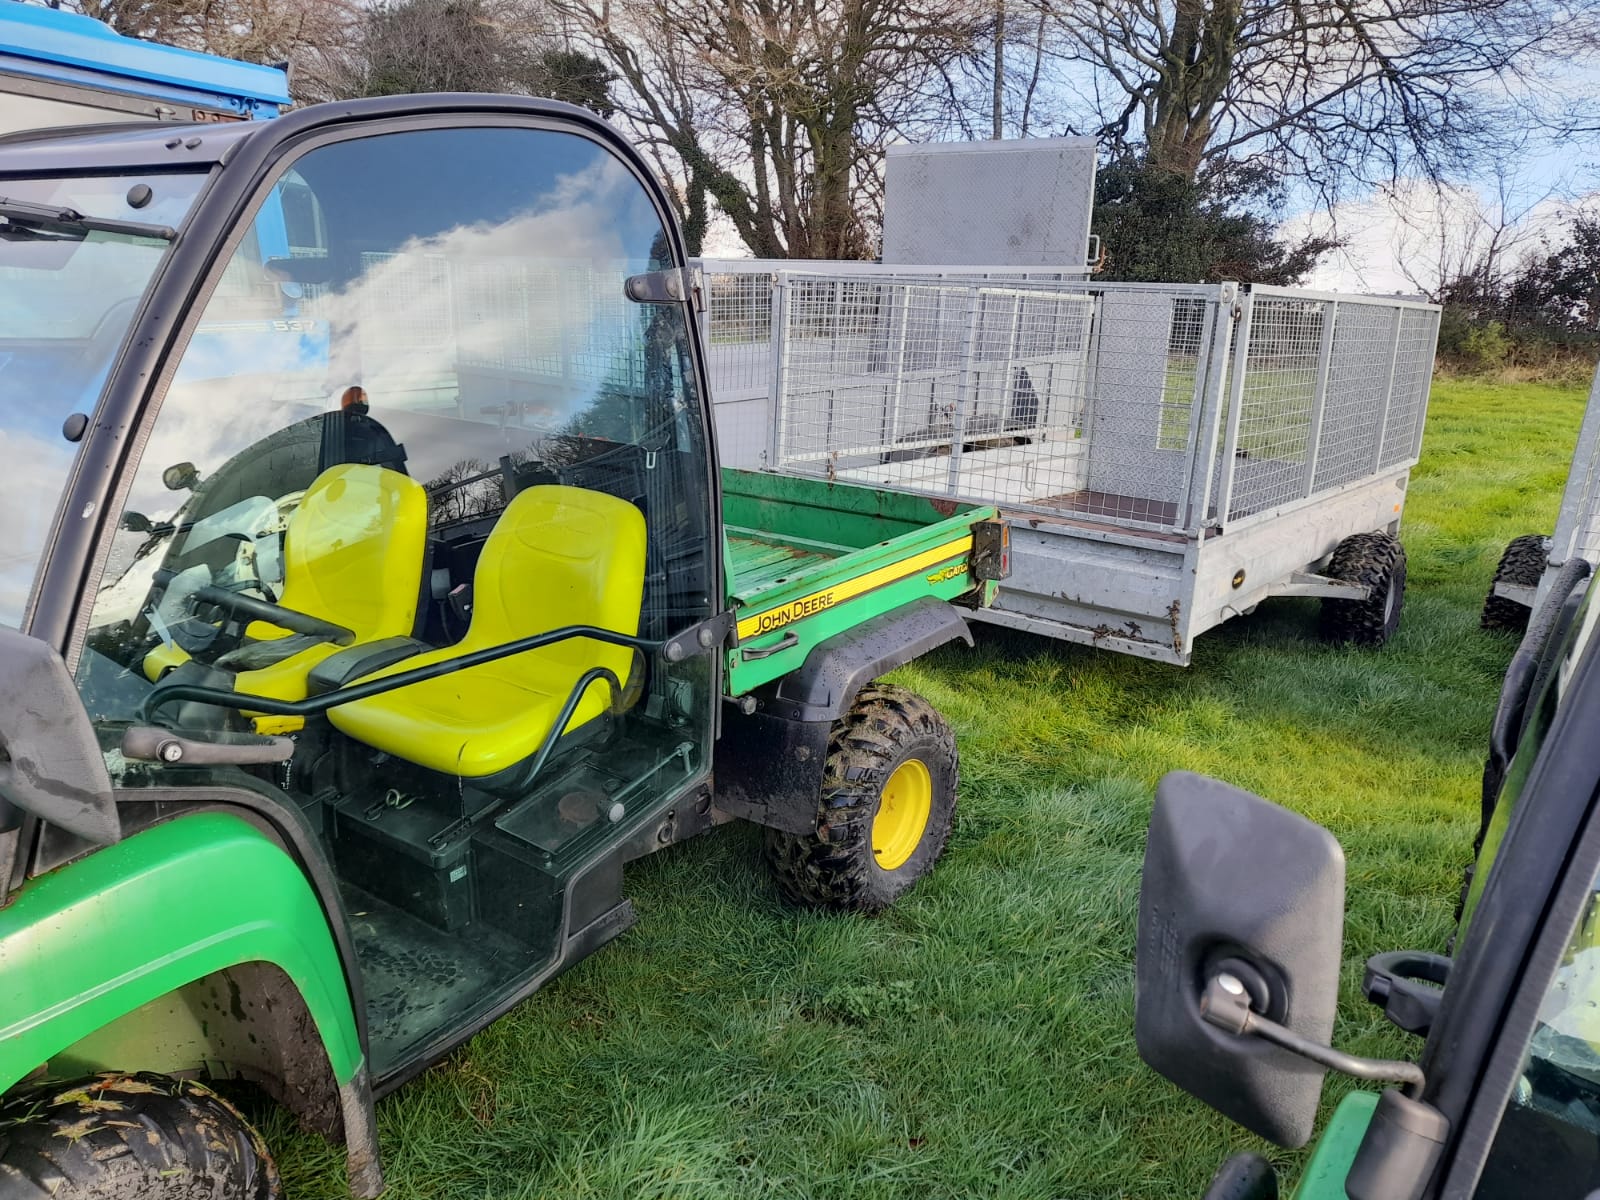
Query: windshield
{"type": "Point", "coordinates": [67, 295]}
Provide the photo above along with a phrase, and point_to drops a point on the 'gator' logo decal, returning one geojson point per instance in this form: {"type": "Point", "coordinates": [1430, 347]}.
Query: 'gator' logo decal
{"type": "Point", "coordinates": [949, 572]}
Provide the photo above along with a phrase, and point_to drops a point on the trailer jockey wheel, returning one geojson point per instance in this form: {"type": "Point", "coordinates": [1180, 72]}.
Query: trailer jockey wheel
{"type": "Point", "coordinates": [887, 806]}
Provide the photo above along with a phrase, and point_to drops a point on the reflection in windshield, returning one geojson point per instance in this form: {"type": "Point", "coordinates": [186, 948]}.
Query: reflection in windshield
{"type": "Point", "coordinates": [65, 304]}
{"type": "Point", "coordinates": [518, 328]}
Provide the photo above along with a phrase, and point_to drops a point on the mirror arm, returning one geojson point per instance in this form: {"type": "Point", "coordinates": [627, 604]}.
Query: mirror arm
{"type": "Point", "coordinates": [1225, 1003]}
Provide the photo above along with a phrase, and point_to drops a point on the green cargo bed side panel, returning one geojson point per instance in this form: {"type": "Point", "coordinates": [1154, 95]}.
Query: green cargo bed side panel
{"type": "Point", "coordinates": [97, 938]}
{"type": "Point", "coordinates": [808, 560]}
{"type": "Point", "coordinates": [1325, 1174]}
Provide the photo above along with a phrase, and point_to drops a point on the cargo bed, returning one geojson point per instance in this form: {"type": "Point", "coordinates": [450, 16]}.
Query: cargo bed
{"type": "Point", "coordinates": [808, 559]}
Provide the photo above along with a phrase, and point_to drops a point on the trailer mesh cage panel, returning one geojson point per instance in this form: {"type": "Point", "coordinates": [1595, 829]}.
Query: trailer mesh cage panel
{"type": "Point", "coordinates": [1172, 408]}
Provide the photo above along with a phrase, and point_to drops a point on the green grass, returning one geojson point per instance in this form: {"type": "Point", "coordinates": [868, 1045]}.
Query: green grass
{"type": "Point", "coordinates": [976, 1041]}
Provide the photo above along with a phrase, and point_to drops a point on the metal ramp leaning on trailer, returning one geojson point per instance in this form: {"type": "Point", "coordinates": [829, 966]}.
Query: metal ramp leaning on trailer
{"type": "Point", "coordinates": [1168, 456]}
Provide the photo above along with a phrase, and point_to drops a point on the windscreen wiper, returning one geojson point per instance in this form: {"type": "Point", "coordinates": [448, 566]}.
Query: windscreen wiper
{"type": "Point", "coordinates": [48, 216]}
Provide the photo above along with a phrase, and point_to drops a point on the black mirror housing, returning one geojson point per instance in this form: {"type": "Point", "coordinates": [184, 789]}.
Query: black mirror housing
{"type": "Point", "coordinates": [301, 270]}
{"type": "Point", "coordinates": [179, 476]}
{"type": "Point", "coordinates": [50, 760]}
{"type": "Point", "coordinates": [1235, 883]}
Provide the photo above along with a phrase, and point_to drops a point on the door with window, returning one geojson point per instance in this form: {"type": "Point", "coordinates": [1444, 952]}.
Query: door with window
{"type": "Point", "coordinates": [424, 494]}
{"type": "Point", "coordinates": [1527, 1121]}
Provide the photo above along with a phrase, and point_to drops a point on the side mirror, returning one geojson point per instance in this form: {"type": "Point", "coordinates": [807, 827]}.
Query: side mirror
{"type": "Point", "coordinates": [300, 270]}
{"type": "Point", "coordinates": [50, 760]}
{"type": "Point", "coordinates": [136, 522]}
{"type": "Point", "coordinates": [180, 476]}
{"type": "Point", "coordinates": [1238, 893]}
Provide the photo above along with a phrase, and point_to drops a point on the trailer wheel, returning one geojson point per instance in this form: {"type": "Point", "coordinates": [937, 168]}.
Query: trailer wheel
{"type": "Point", "coordinates": [114, 1136]}
{"type": "Point", "coordinates": [1522, 564]}
{"type": "Point", "coordinates": [1378, 561]}
{"type": "Point", "coordinates": [887, 806]}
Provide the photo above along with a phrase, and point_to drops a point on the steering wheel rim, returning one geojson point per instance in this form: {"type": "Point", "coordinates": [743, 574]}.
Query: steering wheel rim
{"type": "Point", "coordinates": [246, 607]}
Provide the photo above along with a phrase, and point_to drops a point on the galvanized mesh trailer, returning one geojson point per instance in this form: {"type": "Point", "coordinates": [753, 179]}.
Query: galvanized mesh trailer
{"type": "Point", "coordinates": [1168, 455]}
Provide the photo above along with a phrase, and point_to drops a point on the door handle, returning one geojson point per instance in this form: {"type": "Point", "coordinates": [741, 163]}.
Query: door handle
{"type": "Point", "coordinates": [787, 642]}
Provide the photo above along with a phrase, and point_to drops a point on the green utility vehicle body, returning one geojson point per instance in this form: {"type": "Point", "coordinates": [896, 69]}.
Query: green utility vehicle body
{"type": "Point", "coordinates": [376, 604]}
{"type": "Point", "coordinates": [1238, 974]}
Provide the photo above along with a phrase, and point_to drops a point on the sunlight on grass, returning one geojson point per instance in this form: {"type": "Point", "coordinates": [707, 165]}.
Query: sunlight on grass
{"type": "Point", "coordinates": [977, 1040]}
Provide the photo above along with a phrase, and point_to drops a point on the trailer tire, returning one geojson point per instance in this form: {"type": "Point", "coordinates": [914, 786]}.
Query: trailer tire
{"type": "Point", "coordinates": [888, 797]}
{"type": "Point", "coordinates": [1378, 561]}
{"type": "Point", "coordinates": [1523, 565]}
{"type": "Point", "coordinates": [119, 1135]}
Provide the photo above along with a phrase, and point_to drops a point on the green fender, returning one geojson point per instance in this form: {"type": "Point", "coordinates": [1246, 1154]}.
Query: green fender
{"type": "Point", "coordinates": [89, 942]}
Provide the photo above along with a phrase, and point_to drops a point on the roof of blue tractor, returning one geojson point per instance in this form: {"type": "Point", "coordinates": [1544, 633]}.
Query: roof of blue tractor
{"type": "Point", "coordinates": [68, 48]}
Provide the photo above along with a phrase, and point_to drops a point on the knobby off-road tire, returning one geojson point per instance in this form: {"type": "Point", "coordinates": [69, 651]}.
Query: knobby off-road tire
{"type": "Point", "coordinates": [1379, 561]}
{"type": "Point", "coordinates": [887, 806]}
{"type": "Point", "coordinates": [1522, 564]}
{"type": "Point", "coordinates": [116, 1137]}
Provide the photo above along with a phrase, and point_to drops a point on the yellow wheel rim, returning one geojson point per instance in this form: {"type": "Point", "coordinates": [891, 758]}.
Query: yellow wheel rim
{"type": "Point", "coordinates": [903, 809]}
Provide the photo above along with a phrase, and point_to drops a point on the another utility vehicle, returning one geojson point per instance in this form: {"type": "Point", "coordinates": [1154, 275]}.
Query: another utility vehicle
{"type": "Point", "coordinates": [1241, 917]}
{"type": "Point", "coordinates": [352, 663]}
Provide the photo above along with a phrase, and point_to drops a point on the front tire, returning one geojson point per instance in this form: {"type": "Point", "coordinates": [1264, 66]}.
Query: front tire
{"type": "Point", "coordinates": [1378, 561]}
{"type": "Point", "coordinates": [116, 1136]}
{"type": "Point", "coordinates": [1523, 565]}
{"type": "Point", "coordinates": [887, 806]}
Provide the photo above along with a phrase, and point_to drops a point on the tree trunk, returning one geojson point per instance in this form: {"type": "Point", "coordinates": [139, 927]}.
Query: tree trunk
{"type": "Point", "coordinates": [1198, 64]}
{"type": "Point", "coordinates": [999, 68]}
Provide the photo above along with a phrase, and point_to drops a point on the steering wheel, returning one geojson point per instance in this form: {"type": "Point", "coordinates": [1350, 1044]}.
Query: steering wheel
{"type": "Point", "coordinates": [174, 615]}
{"type": "Point", "coordinates": [186, 590]}
{"type": "Point", "coordinates": [240, 605]}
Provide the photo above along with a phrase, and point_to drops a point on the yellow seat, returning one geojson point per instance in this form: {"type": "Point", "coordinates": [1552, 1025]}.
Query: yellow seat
{"type": "Point", "coordinates": [353, 554]}
{"type": "Point", "coordinates": [558, 556]}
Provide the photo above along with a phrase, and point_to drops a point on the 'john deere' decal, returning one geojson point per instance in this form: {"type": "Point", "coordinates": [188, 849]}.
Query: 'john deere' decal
{"type": "Point", "coordinates": [806, 606]}
{"type": "Point", "coordinates": [777, 618]}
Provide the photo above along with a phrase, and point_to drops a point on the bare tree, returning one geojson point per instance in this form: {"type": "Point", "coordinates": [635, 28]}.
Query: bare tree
{"type": "Point", "coordinates": [1327, 89]}
{"type": "Point", "coordinates": [1453, 239]}
{"type": "Point", "coordinates": [778, 110]}
{"type": "Point", "coordinates": [508, 46]}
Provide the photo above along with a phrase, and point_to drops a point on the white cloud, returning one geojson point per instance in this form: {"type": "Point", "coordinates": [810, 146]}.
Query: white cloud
{"type": "Point", "coordinates": [1412, 238]}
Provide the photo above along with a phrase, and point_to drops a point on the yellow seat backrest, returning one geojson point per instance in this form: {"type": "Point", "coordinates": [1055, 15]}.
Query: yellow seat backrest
{"type": "Point", "coordinates": [353, 552]}
{"type": "Point", "coordinates": [561, 556]}
{"type": "Point", "coordinates": [557, 557]}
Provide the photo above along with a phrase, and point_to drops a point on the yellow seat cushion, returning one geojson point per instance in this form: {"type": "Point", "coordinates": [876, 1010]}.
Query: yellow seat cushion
{"type": "Point", "coordinates": [286, 680]}
{"type": "Point", "coordinates": [162, 659]}
{"type": "Point", "coordinates": [558, 556]}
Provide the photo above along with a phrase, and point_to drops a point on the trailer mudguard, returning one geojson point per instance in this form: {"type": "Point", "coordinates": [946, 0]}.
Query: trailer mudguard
{"type": "Point", "coordinates": [150, 914]}
{"type": "Point", "coordinates": [770, 761]}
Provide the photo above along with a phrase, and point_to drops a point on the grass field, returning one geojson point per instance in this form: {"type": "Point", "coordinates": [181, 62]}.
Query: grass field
{"type": "Point", "coordinates": [976, 1041]}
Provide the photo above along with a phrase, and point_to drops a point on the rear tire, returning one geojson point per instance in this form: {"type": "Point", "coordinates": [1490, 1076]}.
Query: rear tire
{"type": "Point", "coordinates": [887, 806]}
{"type": "Point", "coordinates": [1523, 565]}
{"type": "Point", "coordinates": [1378, 561]}
{"type": "Point", "coordinates": [115, 1136]}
